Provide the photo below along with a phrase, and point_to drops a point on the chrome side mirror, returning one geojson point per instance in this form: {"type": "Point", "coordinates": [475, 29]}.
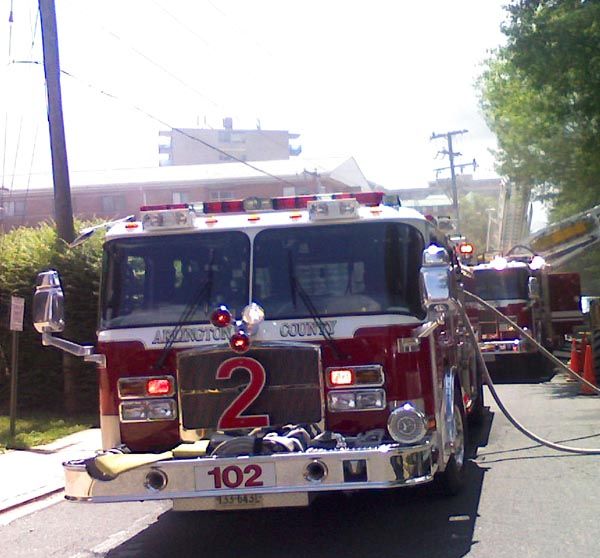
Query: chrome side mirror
{"type": "Point", "coordinates": [48, 303]}
{"type": "Point", "coordinates": [435, 280]}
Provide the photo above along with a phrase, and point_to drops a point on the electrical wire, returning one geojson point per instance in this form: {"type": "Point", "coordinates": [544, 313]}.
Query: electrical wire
{"type": "Point", "coordinates": [490, 384]}
{"type": "Point", "coordinates": [179, 130]}
{"type": "Point", "coordinates": [35, 136]}
{"type": "Point", "coordinates": [204, 42]}
{"type": "Point", "coordinates": [163, 122]}
{"type": "Point", "coordinates": [18, 143]}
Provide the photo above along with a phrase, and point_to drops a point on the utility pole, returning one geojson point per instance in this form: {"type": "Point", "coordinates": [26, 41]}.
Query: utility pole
{"type": "Point", "coordinates": [63, 211]}
{"type": "Point", "coordinates": [451, 154]}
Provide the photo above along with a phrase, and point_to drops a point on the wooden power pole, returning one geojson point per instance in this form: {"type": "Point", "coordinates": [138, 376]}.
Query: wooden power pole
{"type": "Point", "coordinates": [63, 211]}
{"type": "Point", "coordinates": [451, 154]}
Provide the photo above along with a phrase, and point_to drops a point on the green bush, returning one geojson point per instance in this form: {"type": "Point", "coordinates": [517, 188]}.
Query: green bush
{"type": "Point", "coordinates": [23, 253]}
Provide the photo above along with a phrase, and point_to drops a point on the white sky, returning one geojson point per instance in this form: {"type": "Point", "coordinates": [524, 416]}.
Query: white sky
{"type": "Point", "coordinates": [372, 79]}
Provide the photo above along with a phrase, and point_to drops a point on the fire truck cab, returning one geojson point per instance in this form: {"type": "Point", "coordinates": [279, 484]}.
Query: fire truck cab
{"type": "Point", "coordinates": [253, 353]}
{"type": "Point", "coordinates": [542, 302]}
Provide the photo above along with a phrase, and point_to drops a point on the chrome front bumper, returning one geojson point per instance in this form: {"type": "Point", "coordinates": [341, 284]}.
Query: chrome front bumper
{"type": "Point", "coordinates": [387, 466]}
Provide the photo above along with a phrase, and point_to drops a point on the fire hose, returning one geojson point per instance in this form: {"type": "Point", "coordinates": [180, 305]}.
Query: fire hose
{"type": "Point", "coordinates": [545, 353]}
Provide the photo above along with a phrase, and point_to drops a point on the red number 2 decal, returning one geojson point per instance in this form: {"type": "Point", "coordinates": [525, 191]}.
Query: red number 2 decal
{"type": "Point", "coordinates": [231, 416]}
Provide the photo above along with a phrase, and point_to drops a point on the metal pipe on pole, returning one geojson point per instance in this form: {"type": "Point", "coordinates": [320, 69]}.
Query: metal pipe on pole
{"type": "Point", "coordinates": [63, 210]}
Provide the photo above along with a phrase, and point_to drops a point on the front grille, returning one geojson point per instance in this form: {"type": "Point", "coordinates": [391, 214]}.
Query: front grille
{"type": "Point", "coordinates": [291, 392]}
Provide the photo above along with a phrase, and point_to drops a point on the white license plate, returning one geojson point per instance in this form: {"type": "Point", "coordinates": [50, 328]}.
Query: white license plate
{"type": "Point", "coordinates": [242, 476]}
{"type": "Point", "coordinates": [239, 501]}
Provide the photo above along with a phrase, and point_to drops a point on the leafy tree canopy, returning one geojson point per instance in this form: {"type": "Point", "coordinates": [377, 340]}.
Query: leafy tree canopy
{"type": "Point", "coordinates": [540, 94]}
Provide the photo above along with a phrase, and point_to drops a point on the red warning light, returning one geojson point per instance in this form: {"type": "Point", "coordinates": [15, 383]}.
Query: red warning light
{"type": "Point", "coordinates": [240, 342]}
{"type": "Point", "coordinates": [221, 317]}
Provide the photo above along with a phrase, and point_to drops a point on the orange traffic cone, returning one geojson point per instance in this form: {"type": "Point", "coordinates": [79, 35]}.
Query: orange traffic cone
{"type": "Point", "coordinates": [575, 362]}
{"type": "Point", "coordinates": [588, 373]}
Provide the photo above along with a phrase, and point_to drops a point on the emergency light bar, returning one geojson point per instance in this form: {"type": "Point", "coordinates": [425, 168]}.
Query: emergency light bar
{"type": "Point", "coordinates": [169, 216]}
{"type": "Point", "coordinates": [320, 206]}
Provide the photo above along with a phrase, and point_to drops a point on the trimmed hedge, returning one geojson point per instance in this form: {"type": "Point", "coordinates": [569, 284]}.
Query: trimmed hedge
{"type": "Point", "coordinates": [41, 382]}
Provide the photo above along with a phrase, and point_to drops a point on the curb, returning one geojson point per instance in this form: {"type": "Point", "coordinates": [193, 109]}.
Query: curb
{"type": "Point", "coordinates": [41, 494]}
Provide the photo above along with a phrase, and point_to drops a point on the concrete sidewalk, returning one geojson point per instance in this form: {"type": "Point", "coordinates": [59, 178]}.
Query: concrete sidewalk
{"type": "Point", "coordinates": [30, 474]}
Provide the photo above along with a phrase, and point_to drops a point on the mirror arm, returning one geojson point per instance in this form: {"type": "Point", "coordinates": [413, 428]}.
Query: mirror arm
{"type": "Point", "coordinates": [68, 346]}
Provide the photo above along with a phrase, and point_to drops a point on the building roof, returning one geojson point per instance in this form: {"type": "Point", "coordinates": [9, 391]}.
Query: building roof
{"type": "Point", "coordinates": [342, 169]}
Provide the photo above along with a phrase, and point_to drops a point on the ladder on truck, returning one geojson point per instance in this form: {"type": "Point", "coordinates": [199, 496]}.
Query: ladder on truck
{"type": "Point", "coordinates": [561, 241]}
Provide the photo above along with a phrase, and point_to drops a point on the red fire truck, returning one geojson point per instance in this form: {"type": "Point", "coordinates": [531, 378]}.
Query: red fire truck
{"type": "Point", "coordinates": [545, 304]}
{"type": "Point", "coordinates": [254, 353]}
{"type": "Point", "coordinates": [525, 288]}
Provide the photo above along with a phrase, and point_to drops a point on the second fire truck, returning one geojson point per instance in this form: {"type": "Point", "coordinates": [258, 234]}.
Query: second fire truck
{"type": "Point", "coordinates": [525, 287]}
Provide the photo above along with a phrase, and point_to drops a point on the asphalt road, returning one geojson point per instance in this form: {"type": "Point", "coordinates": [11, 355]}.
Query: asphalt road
{"type": "Point", "coordinates": [520, 500]}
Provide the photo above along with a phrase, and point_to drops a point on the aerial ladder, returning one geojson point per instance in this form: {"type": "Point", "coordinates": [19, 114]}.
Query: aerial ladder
{"type": "Point", "coordinates": [562, 241]}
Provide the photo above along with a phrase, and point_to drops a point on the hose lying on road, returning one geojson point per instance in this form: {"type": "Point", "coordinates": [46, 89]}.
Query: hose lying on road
{"type": "Point", "coordinates": [547, 354]}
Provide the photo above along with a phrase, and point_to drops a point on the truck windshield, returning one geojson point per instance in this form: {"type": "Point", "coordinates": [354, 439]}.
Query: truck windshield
{"type": "Point", "coordinates": [361, 268]}
{"type": "Point", "coordinates": [506, 284]}
{"type": "Point", "coordinates": [151, 281]}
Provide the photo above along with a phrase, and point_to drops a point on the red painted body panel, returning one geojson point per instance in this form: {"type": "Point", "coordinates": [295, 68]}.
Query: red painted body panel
{"type": "Point", "coordinates": [407, 376]}
{"type": "Point", "coordinates": [565, 291]}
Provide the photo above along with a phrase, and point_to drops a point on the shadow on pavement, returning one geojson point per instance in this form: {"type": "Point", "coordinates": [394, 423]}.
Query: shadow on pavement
{"type": "Point", "coordinates": [520, 369]}
{"type": "Point", "coordinates": [416, 522]}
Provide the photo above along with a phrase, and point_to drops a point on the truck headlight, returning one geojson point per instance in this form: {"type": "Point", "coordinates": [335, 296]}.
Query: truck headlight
{"type": "Point", "coordinates": [406, 424]}
{"type": "Point", "coordinates": [356, 400]}
{"type": "Point", "coordinates": [143, 410]}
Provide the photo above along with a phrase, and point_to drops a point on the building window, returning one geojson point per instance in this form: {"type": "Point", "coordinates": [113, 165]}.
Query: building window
{"type": "Point", "coordinates": [219, 195]}
{"type": "Point", "coordinates": [236, 156]}
{"type": "Point", "coordinates": [181, 197]}
{"type": "Point", "coordinates": [111, 204]}
{"type": "Point", "coordinates": [15, 208]}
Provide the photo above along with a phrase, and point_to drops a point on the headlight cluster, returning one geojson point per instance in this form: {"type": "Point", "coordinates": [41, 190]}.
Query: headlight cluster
{"type": "Point", "coordinates": [356, 400]}
{"type": "Point", "coordinates": [147, 398]}
{"type": "Point", "coordinates": [365, 378]}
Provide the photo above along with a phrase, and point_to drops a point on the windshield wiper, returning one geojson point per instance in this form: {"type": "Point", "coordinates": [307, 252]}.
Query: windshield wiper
{"type": "Point", "coordinates": [202, 294]}
{"type": "Point", "coordinates": [296, 287]}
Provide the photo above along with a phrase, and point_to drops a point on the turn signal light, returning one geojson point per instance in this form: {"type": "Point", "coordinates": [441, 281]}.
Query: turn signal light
{"type": "Point", "coordinates": [341, 377]}
{"type": "Point", "coordinates": [363, 375]}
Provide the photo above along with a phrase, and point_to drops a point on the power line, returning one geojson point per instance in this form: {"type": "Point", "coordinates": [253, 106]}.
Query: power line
{"type": "Point", "coordinates": [179, 22]}
{"type": "Point", "coordinates": [160, 67]}
{"type": "Point", "coordinates": [179, 130]}
{"type": "Point", "coordinates": [206, 43]}
{"type": "Point", "coordinates": [177, 78]}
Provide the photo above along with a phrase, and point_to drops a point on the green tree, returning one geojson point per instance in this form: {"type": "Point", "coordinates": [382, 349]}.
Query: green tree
{"type": "Point", "coordinates": [540, 94]}
{"type": "Point", "coordinates": [44, 381]}
{"type": "Point", "coordinates": [475, 219]}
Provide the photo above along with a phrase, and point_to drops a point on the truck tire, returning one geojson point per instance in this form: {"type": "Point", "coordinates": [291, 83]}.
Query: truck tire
{"type": "Point", "coordinates": [596, 353]}
{"type": "Point", "coordinates": [452, 479]}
